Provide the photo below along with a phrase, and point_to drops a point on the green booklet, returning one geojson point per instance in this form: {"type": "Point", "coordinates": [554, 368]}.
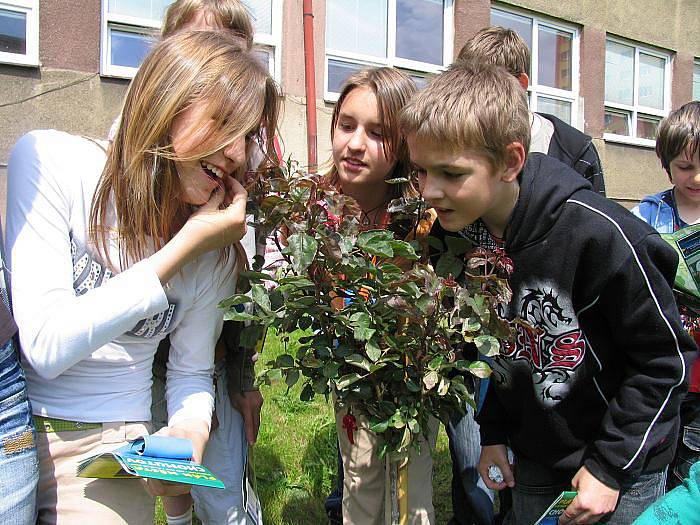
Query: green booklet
{"type": "Point", "coordinates": [686, 242]}
{"type": "Point", "coordinates": [139, 460]}
{"type": "Point", "coordinates": [556, 509]}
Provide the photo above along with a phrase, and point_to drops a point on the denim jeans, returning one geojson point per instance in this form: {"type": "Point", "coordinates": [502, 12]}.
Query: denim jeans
{"type": "Point", "coordinates": [529, 502]}
{"type": "Point", "coordinates": [472, 501]}
{"type": "Point", "coordinates": [19, 467]}
{"type": "Point", "coordinates": [688, 451]}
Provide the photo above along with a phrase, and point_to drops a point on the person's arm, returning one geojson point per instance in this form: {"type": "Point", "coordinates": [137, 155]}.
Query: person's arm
{"type": "Point", "coordinates": [589, 165]}
{"type": "Point", "coordinates": [189, 387]}
{"type": "Point", "coordinates": [494, 438]}
{"type": "Point", "coordinates": [655, 349]}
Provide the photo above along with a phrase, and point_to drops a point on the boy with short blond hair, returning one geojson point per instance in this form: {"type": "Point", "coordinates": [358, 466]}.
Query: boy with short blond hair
{"type": "Point", "coordinates": [504, 47]}
{"type": "Point", "coordinates": [678, 149]}
{"type": "Point", "coordinates": [587, 394]}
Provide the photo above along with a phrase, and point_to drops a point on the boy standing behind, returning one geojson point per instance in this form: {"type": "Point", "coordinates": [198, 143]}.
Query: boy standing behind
{"type": "Point", "coordinates": [587, 395]}
{"type": "Point", "coordinates": [678, 148]}
{"type": "Point", "coordinates": [548, 134]}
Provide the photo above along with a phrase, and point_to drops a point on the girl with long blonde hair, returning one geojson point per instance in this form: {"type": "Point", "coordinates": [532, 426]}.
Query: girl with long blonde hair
{"type": "Point", "coordinates": [116, 246]}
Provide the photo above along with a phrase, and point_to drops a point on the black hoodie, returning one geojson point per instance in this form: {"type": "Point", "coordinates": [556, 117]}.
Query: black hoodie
{"type": "Point", "coordinates": [576, 149]}
{"type": "Point", "coordinates": [599, 378]}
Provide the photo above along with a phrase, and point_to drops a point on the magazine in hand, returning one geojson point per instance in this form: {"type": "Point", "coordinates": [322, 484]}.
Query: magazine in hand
{"type": "Point", "coordinates": [156, 457]}
{"type": "Point", "coordinates": [686, 242]}
{"type": "Point", "coordinates": [556, 509]}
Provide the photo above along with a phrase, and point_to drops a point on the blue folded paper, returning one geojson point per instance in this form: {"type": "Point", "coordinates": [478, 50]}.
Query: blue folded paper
{"type": "Point", "coordinates": [162, 447]}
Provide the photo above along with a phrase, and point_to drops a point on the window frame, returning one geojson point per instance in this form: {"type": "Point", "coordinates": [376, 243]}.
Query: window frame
{"type": "Point", "coordinates": [534, 88]}
{"type": "Point", "coordinates": [271, 43]}
{"type": "Point", "coordinates": [696, 71]}
{"type": "Point", "coordinates": [30, 8]}
{"type": "Point", "coordinates": [410, 67]}
{"type": "Point", "coordinates": [635, 110]}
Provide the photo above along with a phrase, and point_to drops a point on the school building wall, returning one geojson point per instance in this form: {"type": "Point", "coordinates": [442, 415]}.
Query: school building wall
{"type": "Point", "coordinates": [66, 91]}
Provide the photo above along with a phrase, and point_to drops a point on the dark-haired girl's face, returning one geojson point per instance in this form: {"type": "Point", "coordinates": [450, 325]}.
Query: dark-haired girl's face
{"type": "Point", "coordinates": [200, 177]}
{"type": "Point", "coordinates": [358, 151]}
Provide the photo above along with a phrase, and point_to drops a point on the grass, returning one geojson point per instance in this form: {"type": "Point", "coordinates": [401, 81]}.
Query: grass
{"type": "Point", "coordinates": [295, 457]}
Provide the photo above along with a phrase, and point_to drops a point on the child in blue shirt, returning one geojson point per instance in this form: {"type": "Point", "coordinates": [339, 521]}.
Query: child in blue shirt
{"type": "Point", "coordinates": [678, 148]}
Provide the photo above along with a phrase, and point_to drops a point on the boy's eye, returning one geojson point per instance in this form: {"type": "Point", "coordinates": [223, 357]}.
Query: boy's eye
{"type": "Point", "coordinates": [376, 134]}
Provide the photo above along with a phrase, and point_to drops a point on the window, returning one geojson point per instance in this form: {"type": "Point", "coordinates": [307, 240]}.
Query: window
{"type": "Point", "coordinates": [696, 80]}
{"type": "Point", "coordinates": [553, 62]}
{"type": "Point", "coordinates": [413, 35]}
{"type": "Point", "coordinates": [19, 32]}
{"type": "Point", "coordinates": [637, 89]}
{"type": "Point", "coordinates": [131, 27]}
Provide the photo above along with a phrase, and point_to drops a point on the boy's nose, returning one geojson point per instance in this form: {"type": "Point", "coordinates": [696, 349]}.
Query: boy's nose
{"type": "Point", "coordinates": [430, 188]}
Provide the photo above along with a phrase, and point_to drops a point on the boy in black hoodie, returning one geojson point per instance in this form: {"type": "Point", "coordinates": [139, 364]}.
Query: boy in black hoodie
{"type": "Point", "coordinates": [587, 396]}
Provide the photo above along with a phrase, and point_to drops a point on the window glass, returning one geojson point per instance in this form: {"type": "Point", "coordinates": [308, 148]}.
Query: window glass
{"type": "Point", "coordinates": [153, 9]}
{"type": "Point", "coordinates": [419, 81]}
{"type": "Point", "coordinates": [357, 26]}
{"type": "Point", "coordinates": [696, 81]}
{"type": "Point", "coordinates": [413, 40]}
{"type": "Point", "coordinates": [651, 81]}
{"type": "Point", "coordinates": [558, 108]}
{"type": "Point", "coordinates": [338, 71]}
{"type": "Point", "coordinates": [619, 73]}
{"type": "Point", "coordinates": [617, 122]}
{"type": "Point", "coordinates": [554, 58]}
{"type": "Point", "coordinates": [261, 14]}
{"type": "Point", "coordinates": [519, 24]}
{"type": "Point", "coordinates": [13, 32]}
{"type": "Point", "coordinates": [265, 57]}
{"type": "Point", "coordinates": [646, 127]}
{"type": "Point", "coordinates": [128, 48]}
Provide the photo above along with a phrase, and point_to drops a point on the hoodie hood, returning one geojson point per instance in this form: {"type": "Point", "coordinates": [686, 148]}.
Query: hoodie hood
{"type": "Point", "coordinates": [545, 185]}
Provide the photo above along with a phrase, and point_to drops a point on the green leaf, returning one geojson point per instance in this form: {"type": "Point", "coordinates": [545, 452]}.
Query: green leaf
{"type": "Point", "coordinates": [321, 385]}
{"type": "Point", "coordinates": [487, 345]}
{"type": "Point", "coordinates": [457, 245]}
{"type": "Point", "coordinates": [330, 369]}
{"type": "Point", "coordinates": [261, 297]}
{"type": "Point", "coordinates": [404, 249]}
{"type": "Point", "coordinates": [262, 276]}
{"type": "Point", "coordinates": [358, 361]}
{"type": "Point", "coordinates": [448, 264]}
{"type": "Point", "coordinates": [444, 386]}
{"type": "Point", "coordinates": [480, 369]}
{"type": "Point", "coordinates": [360, 322]}
{"type": "Point", "coordinates": [274, 374]}
{"type": "Point", "coordinates": [234, 300]}
{"type": "Point", "coordinates": [380, 426]}
{"type": "Point", "coordinates": [376, 242]}
{"type": "Point", "coordinates": [302, 248]}
{"type": "Point", "coordinates": [436, 362]}
{"type": "Point", "coordinates": [292, 378]}
{"type": "Point", "coordinates": [284, 361]}
{"type": "Point", "coordinates": [431, 379]}
{"type": "Point", "coordinates": [305, 322]}
{"type": "Point", "coordinates": [296, 281]}
{"type": "Point", "coordinates": [413, 426]}
{"type": "Point", "coordinates": [435, 243]}
{"type": "Point", "coordinates": [232, 315]}
{"type": "Point", "coordinates": [472, 324]}
{"type": "Point", "coordinates": [347, 380]}
{"type": "Point", "coordinates": [373, 351]}
{"type": "Point", "coordinates": [307, 393]}
{"type": "Point", "coordinates": [412, 386]}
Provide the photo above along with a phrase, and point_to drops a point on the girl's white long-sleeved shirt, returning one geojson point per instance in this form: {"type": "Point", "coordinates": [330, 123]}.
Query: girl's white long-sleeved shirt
{"type": "Point", "coordinates": [88, 335]}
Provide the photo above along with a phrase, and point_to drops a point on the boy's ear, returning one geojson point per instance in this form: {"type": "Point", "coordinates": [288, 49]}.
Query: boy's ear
{"type": "Point", "coordinates": [524, 80]}
{"type": "Point", "coordinates": [515, 160]}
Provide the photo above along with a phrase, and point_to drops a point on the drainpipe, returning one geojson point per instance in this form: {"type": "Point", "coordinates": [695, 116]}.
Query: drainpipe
{"type": "Point", "coordinates": [310, 82]}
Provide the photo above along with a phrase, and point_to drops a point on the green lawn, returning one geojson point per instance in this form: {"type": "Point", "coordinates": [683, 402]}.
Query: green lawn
{"type": "Point", "coordinates": [295, 457]}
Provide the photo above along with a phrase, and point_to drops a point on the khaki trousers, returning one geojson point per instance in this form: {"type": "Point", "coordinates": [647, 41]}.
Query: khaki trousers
{"type": "Point", "coordinates": [366, 497]}
{"type": "Point", "coordinates": [65, 499]}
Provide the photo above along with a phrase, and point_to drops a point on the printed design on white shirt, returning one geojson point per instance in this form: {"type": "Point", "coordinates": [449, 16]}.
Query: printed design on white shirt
{"type": "Point", "coordinates": [89, 273]}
